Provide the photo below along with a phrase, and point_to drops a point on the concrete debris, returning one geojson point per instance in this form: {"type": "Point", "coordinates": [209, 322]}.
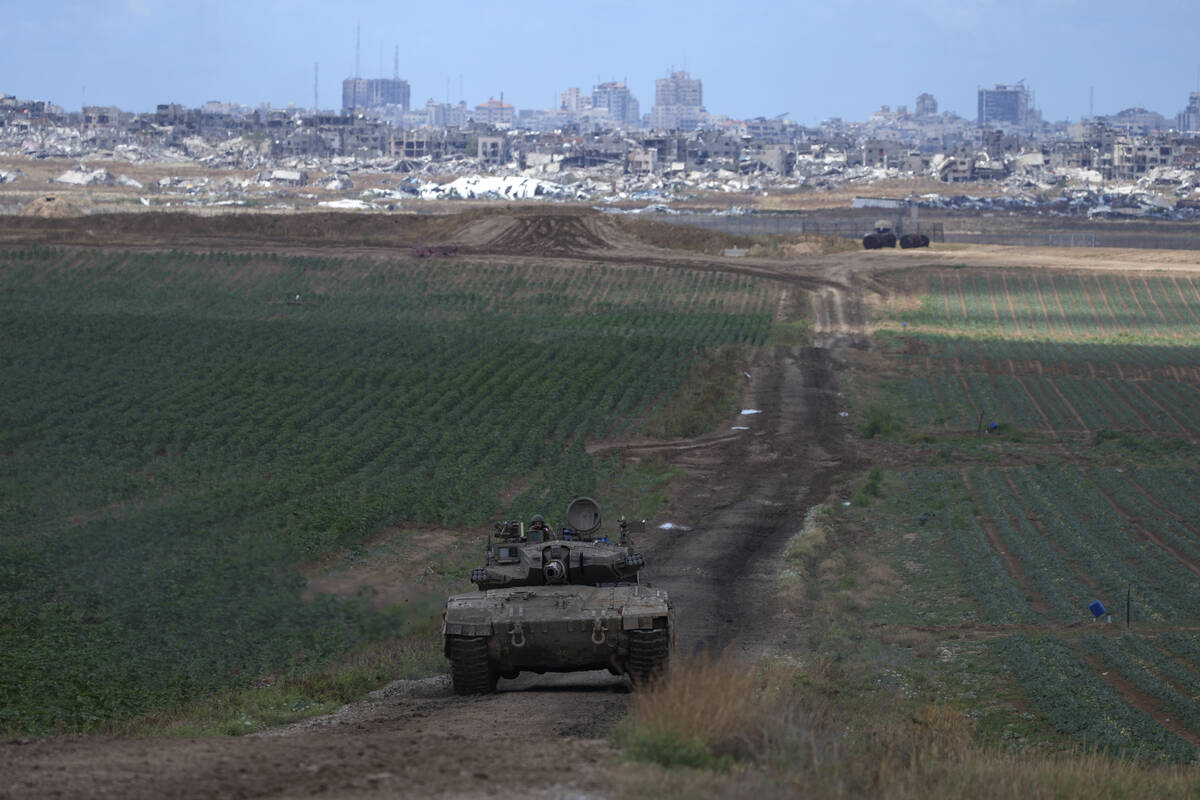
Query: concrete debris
{"type": "Point", "coordinates": [125, 180]}
{"type": "Point", "coordinates": [285, 177]}
{"type": "Point", "coordinates": [11, 177]}
{"type": "Point", "coordinates": [81, 177]}
{"type": "Point", "coordinates": [346, 204]}
{"type": "Point", "coordinates": [471, 187]}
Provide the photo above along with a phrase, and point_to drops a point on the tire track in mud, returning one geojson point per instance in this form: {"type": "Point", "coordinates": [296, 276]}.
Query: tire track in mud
{"type": "Point", "coordinates": [721, 566]}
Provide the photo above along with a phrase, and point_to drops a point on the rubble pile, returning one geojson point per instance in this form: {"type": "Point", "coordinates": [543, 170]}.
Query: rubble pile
{"type": "Point", "coordinates": [285, 160]}
{"type": "Point", "coordinates": [473, 187]}
{"type": "Point", "coordinates": [82, 177]}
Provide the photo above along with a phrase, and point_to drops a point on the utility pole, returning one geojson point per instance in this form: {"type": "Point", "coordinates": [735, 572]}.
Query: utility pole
{"type": "Point", "coordinates": [316, 83]}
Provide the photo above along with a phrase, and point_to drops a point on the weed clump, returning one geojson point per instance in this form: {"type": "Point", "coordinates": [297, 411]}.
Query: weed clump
{"type": "Point", "coordinates": [710, 712]}
{"type": "Point", "coordinates": [879, 421]}
{"type": "Point", "coordinates": [871, 489]}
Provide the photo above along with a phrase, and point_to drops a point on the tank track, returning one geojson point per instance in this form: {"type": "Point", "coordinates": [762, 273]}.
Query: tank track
{"type": "Point", "coordinates": [470, 670]}
{"type": "Point", "coordinates": [648, 654]}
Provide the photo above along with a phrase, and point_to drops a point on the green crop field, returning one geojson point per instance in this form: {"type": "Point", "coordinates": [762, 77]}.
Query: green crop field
{"type": "Point", "coordinates": [179, 432]}
{"type": "Point", "coordinates": [1084, 491]}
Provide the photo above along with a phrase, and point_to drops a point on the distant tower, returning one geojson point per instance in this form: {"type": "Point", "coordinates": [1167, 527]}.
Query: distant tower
{"type": "Point", "coordinates": [357, 49]}
{"type": "Point", "coordinates": [316, 83]}
{"type": "Point", "coordinates": [1004, 105]}
{"type": "Point", "coordinates": [396, 65]}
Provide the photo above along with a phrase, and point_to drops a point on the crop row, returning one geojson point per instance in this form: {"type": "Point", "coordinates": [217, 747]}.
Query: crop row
{"type": "Point", "coordinates": [1057, 305]}
{"type": "Point", "coordinates": [1072, 358]}
{"type": "Point", "coordinates": [956, 400]}
{"type": "Point", "coordinates": [1067, 692]}
{"type": "Point", "coordinates": [1153, 672]}
{"type": "Point", "coordinates": [419, 289]}
{"type": "Point", "coordinates": [1034, 546]}
{"type": "Point", "coordinates": [1074, 545]}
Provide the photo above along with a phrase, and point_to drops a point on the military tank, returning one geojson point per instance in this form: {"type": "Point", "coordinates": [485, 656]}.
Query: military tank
{"type": "Point", "coordinates": [558, 601]}
{"type": "Point", "coordinates": [881, 237]}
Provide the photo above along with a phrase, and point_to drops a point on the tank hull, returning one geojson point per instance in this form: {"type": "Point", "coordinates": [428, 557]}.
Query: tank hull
{"type": "Point", "coordinates": [561, 628]}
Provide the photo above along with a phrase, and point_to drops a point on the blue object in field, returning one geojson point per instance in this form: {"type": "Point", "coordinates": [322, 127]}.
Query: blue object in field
{"type": "Point", "coordinates": [992, 426]}
{"type": "Point", "coordinates": [1097, 609]}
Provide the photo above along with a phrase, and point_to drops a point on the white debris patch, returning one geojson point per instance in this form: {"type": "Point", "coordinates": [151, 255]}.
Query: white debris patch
{"type": "Point", "coordinates": [739, 428]}
{"type": "Point", "coordinates": [346, 205]}
{"type": "Point", "coordinates": [79, 177]}
{"type": "Point", "coordinates": [497, 187]}
{"type": "Point", "coordinates": [745, 412]}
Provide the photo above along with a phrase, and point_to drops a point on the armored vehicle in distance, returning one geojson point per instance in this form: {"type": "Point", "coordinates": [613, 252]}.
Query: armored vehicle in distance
{"type": "Point", "coordinates": [560, 601]}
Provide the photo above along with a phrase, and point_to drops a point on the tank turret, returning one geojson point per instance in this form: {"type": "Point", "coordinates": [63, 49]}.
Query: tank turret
{"type": "Point", "coordinates": [577, 554]}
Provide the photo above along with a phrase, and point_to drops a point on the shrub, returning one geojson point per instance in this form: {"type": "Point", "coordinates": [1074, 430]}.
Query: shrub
{"type": "Point", "coordinates": [879, 421]}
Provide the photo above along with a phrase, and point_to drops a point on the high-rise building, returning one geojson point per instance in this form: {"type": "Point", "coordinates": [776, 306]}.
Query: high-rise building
{"type": "Point", "coordinates": [615, 98]}
{"type": "Point", "coordinates": [926, 105]}
{"type": "Point", "coordinates": [1189, 118]}
{"type": "Point", "coordinates": [373, 92]}
{"type": "Point", "coordinates": [494, 112]}
{"type": "Point", "coordinates": [678, 103]}
{"type": "Point", "coordinates": [573, 101]}
{"type": "Point", "coordinates": [1004, 105]}
{"type": "Point", "coordinates": [678, 89]}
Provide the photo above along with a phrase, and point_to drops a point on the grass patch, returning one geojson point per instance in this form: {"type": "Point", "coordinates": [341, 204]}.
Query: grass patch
{"type": "Point", "coordinates": [879, 421]}
{"type": "Point", "coordinates": [710, 713]}
{"type": "Point", "coordinates": [808, 542]}
{"type": "Point", "coordinates": [801, 245]}
{"type": "Point", "coordinates": [709, 395]}
{"type": "Point", "coordinates": [641, 490]}
{"type": "Point", "coordinates": [279, 699]}
{"type": "Point", "coordinates": [871, 489]}
{"type": "Point", "coordinates": [791, 333]}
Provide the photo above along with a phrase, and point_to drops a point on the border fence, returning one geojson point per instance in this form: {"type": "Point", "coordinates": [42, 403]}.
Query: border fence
{"type": "Point", "coordinates": [1099, 236]}
{"type": "Point", "coordinates": [789, 225]}
{"type": "Point", "coordinates": [1144, 235]}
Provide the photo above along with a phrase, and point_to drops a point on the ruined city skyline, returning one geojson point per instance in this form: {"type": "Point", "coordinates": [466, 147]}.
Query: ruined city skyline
{"type": "Point", "coordinates": [842, 60]}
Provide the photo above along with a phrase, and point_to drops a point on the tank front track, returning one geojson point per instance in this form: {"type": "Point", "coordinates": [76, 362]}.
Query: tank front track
{"type": "Point", "coordinates": [470, 670]}
{"type": "Point", "coordinates": [648, 655]}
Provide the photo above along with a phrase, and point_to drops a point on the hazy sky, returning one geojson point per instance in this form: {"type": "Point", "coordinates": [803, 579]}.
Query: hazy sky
{"type": "Point", "coordinates": [815, 60]}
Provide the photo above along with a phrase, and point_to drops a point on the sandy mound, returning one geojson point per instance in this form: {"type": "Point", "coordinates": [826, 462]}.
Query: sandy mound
{"type": "Point", "coordinates": [50, 206]}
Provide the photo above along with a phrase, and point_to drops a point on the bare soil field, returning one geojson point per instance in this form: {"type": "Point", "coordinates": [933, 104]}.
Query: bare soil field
{"type": "Point", "coordinates": [746, 492]}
